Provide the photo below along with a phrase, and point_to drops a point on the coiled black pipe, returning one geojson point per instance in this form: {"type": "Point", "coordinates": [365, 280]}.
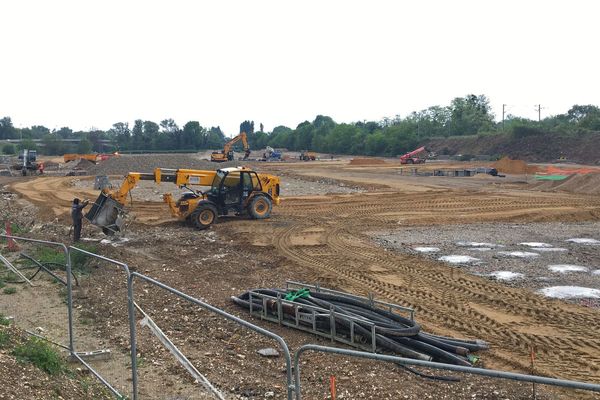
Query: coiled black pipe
{"type": "Point", "coordinates": [393, 332]}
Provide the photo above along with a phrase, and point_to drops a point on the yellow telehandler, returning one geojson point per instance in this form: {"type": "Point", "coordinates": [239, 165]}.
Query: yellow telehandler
{"type": "Point", "coordinates": [239, 190]}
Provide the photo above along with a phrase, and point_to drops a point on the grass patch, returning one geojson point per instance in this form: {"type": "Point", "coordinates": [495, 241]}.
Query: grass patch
{"type": "Point", "coordinates": [11, 277]}
{"type": "Point", "coordinates": [40, 354]}
{"type": "Point", "coordinates": [4, 321]}
{"type": "Point", "coordinates": [10, 290]}
{"type": "Point", "coordinates": [2, 284]}
{"type": "Point", "coordinates": [54, 258]}
{"type": "Point", "coordinates": [15, 229]}
{"type": "Point", "coordinates": [4, 339]}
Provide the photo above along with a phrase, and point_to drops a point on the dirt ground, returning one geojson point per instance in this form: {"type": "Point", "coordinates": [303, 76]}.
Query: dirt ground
{"type": "Point", "coordinates": [329, 229]}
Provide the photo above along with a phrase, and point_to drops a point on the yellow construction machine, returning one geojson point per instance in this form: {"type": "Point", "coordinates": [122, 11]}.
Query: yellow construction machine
{"type": "Point", "coordinates": [227, 153]}
{"type": "Point", "coordinates": [238, 191]}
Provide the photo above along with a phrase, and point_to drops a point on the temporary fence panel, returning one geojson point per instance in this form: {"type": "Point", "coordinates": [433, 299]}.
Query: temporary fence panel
{"type": "Point", "coordinates": [289, 379]}
{"type": "Point", "coordinates": [131, 316]}
{"type": "Point", "coordinates": [429, 364]}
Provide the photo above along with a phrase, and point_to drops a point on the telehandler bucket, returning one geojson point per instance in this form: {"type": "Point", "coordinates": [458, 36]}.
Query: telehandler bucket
{"type": "Point", "coordinates": [106, 213]}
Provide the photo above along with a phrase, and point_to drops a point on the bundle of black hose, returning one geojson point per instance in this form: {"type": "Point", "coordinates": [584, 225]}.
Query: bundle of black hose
{"type": "Point", "coordinates": [443, 345]}
{"type": "Point", "coordinates": [370, 326]}
{"type": "Point", "coordinates": [427, 376]}
{"type": "Point", "coordinates": [471, 345]}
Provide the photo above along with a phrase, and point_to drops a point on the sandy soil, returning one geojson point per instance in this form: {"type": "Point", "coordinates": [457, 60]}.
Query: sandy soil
{"type": "Point", "coordinates": [328, 239]}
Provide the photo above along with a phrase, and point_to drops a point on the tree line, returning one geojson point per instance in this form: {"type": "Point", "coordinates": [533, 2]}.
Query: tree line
{"type": "Point", "coordinates": [469, 115]}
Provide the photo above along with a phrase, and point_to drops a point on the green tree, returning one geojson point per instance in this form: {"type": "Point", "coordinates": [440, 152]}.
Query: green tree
{"type": "Point", "coordinates": [8, 149]}
{"type": "Point", "coordinates": [27, 144]}
{"type": "Point", "coordinates": [150, 135]}
{"type": "Point", "coordinates": [7, 130]}
{"type": "Point", "coordinates": [194, 136]}
{"type": "Point", "coordinates": [53, 145]}
{"type": "Point", "coordinates": [248, 127]}
{"type": "Point", "coordinates": [470, 115]}
{"type": "Point", "coordinates": [137, 134]}
{"type": "Point", "coordinates": [587, 116]}
{"type": "Point", "coordinates": [121, 134]}
{"type": "Point", "coordinates": [64, 133]}
{"type": "Point", "coordinates": [84, 146]}
{"type": "Point", "coordinates": [171, 131]}
{"type": "Point", "coordinates": [38, 131]}
{"type": "Point", "coordinates": [215, 139]}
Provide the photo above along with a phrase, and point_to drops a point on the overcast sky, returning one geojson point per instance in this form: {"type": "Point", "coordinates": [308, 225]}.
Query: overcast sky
{"type": "Point", "coordinates": [88, 64]}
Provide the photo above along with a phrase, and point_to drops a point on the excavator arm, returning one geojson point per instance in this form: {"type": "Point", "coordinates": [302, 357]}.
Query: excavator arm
{"type": "Point", "coordinates": [223, 154]}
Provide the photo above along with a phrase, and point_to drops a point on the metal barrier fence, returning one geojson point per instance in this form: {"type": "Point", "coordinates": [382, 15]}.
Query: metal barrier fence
{"type": "Point", "coordinates": [64, 248]}
{"type": "Point", "coordinates": [131, 317]}
{"type": "Point", "coordinates": [233, 318]}
{"type": "Point", "coordinates": [293, 382]}
{"type": "Point", "coordinates": [429, 364]}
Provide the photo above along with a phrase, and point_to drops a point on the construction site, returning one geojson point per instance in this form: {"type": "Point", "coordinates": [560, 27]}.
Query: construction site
{"type": "Point", "coordinates": [482, 265]}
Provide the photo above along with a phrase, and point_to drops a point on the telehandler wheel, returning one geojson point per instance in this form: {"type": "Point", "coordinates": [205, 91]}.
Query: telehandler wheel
{"type": "Point", "coordinates": [260, 207]}
{"type": "Point", "coordinates": [203, 216]}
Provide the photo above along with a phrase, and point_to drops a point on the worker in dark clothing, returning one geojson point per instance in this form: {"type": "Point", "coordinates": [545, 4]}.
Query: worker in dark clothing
{"type": "Point", "coordinates": [77, 215]}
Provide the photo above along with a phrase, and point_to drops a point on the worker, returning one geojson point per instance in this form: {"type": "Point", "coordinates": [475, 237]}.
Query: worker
{"type": "Point", "coordinates": [77, 216]}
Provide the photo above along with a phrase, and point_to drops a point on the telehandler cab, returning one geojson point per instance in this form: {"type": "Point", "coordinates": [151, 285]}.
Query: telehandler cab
{"type": "Point", "coordinates": [238, 191]}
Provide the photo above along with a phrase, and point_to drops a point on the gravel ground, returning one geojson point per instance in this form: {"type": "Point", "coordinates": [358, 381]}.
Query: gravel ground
{"type": "Point", "coordinates": [536, 255]}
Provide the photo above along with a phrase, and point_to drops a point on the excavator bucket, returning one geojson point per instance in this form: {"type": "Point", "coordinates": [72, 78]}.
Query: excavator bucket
{"type": "Point", "coordinates": [107, 213]}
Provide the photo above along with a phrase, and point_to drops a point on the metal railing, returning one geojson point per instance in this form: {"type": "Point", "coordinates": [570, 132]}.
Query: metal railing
{"type": "Point", "coordinates": [131, 316]}
{"type": "Point", "coordinates": [429, 364]}
{"type": "Point", "coordinates": [288, 359]}
{"type": "Point", "coordinates": [308, 321]}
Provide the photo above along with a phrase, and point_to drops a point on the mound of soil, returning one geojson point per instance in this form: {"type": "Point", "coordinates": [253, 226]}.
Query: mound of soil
{"type": "Point", "coordinates": [366, 161]}
{"type": "Point", "coordinates": [84, 164]}
{"type": "Point", "coordinates": [583, 184]}
{"type": "Point", "coordinates": [584, 149]}
{"type": "Point", "coordinates": [148, 162]}
{"type": "Point", "coordinates": [508, 166]}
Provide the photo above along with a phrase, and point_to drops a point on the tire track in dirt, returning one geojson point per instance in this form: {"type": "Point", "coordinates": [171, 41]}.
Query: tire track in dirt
{"type": "Point", "coordinates": [440, 298]}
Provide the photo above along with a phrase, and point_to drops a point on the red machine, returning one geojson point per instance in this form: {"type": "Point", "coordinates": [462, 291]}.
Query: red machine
{"type": "Point", "coordinates": [412, 157]}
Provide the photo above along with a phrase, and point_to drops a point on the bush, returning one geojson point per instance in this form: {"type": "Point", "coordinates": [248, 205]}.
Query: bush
{"type": "Point", "coordinates": [521, 131]}
{"type": "Point", "coordinates": [40, 354]}
{"type": "Point", "coordinates": [10, 290]}
{"type": "Point", "coordinates": [465, 157]}
{"type": "Point", "coordinates": [9, 149]}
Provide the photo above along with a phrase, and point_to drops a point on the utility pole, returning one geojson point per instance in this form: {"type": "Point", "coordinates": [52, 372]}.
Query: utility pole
{"type": "Point", "coordinates": [539, 110]}
{"type": "Point", "coordinates": [503, 110]}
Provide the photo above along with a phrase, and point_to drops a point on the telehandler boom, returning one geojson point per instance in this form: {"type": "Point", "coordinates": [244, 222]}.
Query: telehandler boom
{"type": "Point", "coordinates": [240, 191]}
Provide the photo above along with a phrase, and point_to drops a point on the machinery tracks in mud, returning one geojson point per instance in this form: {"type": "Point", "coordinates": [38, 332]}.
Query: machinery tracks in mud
{"type": "Point", "coordinates": [565, 336]}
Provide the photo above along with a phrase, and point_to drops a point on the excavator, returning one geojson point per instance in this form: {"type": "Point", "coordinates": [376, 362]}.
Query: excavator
{"type": "Point", "coordinates": [227, 153]}
{"type": "Point", "coordinates": [238, 191]}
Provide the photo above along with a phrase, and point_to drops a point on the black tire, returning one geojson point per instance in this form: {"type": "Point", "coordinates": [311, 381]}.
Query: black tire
{"type": "Point", "coordinates": [204, 216]}
{"type": "Point", "coordinates": [260, 207]}
{"type": "Point", "coordinates": [410, 161]}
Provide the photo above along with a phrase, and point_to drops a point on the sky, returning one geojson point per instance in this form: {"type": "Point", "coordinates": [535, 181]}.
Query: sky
{"type": "Point", "coordinates": [86, 64]}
